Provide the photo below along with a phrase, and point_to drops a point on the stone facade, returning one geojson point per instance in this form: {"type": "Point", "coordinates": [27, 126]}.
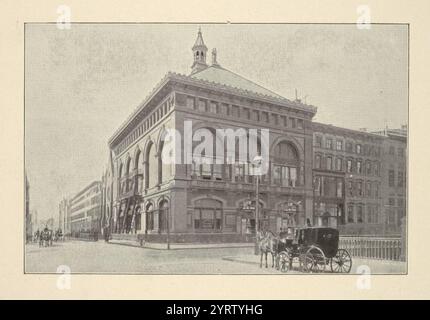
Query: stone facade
{"type": "Point", "coordinates": [348, 179]}
{"type": "Point", "coordinates": [316, 174]}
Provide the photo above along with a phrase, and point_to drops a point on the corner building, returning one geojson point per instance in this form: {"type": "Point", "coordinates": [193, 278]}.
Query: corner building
{"type": "Point", "coordinates": [196, 200]}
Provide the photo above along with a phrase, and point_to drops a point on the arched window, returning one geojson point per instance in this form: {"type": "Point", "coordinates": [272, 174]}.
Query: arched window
{"type": "Point", "coordinates": [152, 167]}
{"type": "Point", "coordinates": [138, 164]}
{"type": "Point", "coordinates": [285, 171]}
{"type": "Point", "coordinates": [163, 215]}
{"type": "Point", "coordinates": [149, 213]}
{"type": "Point", "coordinates": [165, 165]}
{"type": "Point", "coordinates": [204, 159]}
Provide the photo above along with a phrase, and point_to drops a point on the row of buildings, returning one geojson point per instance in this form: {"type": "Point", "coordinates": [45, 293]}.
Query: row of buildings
{"type": "Point", "coordinates": [350, 179]}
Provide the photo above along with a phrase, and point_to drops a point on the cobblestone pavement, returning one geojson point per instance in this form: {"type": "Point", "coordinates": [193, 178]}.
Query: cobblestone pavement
{"type": "Point", "coordinates": [101, 257]}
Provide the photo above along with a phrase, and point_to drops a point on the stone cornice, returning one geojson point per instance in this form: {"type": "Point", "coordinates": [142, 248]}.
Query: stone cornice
{"type": "Point", "coordinates": [209, 85]}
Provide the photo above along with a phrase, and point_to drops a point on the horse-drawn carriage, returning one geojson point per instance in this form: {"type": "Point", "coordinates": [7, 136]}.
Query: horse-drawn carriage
{"type": "Point", "coordinates": [314, 248]}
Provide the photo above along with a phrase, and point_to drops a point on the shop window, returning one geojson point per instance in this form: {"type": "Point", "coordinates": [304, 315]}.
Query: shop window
{"type": "Point", "coordinates": [208, 215]}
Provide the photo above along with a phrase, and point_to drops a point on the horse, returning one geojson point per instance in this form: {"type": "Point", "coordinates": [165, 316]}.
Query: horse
{"type": "Point", "coordinates": [267, 243]}
{"type": "Point", "coordinates": [45, 239]}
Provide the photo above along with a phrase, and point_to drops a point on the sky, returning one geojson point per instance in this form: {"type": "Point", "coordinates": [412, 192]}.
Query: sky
{"type": "Point", "coordinates": [82, 83]}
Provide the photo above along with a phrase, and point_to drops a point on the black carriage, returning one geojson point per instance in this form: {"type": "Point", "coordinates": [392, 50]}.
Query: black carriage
{"type": "Point", "coordinates": [315, 248]}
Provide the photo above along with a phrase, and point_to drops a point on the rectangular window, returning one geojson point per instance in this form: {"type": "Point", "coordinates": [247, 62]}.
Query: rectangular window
{"type": "Point", "coordinates": [391, 178]}
{"type": "Point", "coordinates": [284, 121]}
{"type": "Point", "coordinates": [339, 189]}
{"type": "Point", "coordinates": [202, 105]}
{"type": "Point", "coordinates": [285, 176]}
{"type": "Point", "coordinates": [400, 152]}
{"type": "Point", "coordinates": [339, 145]}
{"type": "Point", "coordinates": [350, 214]}
{"type": "Point", "coordinates": [318, 141]}
{"type": "Point", "coordinates": [368, 189]}
{"type": "Point", "coordinates": [224, 109]}
{"type": "Point", "coordinates": [292, 123]}
{"type": "Point", "coordinates": [359, 167]}
{"type": "Point", "coordinates": [213, 107]}
{"type": "Point", "coordinates": [265, 117]}
{"type": "Point", "coordinates": [247, 113]}
{"type": "Point", "coordinates": [376, 169]}
{"type": "Point", "coordinates": [235, 111]}
{"type": "Point", "coordinates": [400, 179]}
{"type": "Point", "coordinates": [318, 161]}
{"type": "Point", "coordinates": [368, 168]}
{"type": "Point", "coordinates": [255, 115]}
{"type": "Point", "coordinates": [328, 143]}
{"type": "Point", "coordinates": [277, 171]}
{"type": "Point", "coordinates": [360, 188]}
{"type": "Point", "coordinates": [349, 147]}
{"type": "Point", "coordinates": [217, 171]}
{"type": "Point", "coordinates": [358, 149]}
{"type": "Point", "coordinates": [351, 188]}
{"type": "Point", "coordinates": [349, 166]}
{"type": "Point", "coordinates": [293, 177]}
{"type": "Point", "coordinates": [329, 163]}
{"type": "Point", "coordinates": [369, 214]}
{"type": "Point", "coordinates": [300, 123]}
{"type": "Point", "coordinates": [275, 119]}
{"type": "Point", "coordinates": [338, 164]}
{"type": "Point", "coordinates": [360, 214]}
{"type": "Point", "coordinates": [376, 190]}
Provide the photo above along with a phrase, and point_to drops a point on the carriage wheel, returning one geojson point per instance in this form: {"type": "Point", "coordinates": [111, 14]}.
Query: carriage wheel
{"type": "Point", "coordinates": [341, 262]}
{"type": "Point", "coordinates": [319, 259]}
{"type": "Point", "coordinates": [284, 261]}
{"type": "Point", "coordinates": [306, 262]}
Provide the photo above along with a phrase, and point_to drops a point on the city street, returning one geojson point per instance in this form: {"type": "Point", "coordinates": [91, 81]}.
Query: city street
{"type": "Point", "coordinates": [101, 257]}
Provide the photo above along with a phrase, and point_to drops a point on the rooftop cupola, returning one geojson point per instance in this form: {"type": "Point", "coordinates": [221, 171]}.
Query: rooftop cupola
{"type": "Point", "coordinates": [199, 54]}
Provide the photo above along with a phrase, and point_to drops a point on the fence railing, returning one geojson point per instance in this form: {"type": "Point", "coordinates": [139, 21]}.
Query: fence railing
{"type": "Point", "coordinates": [373, 248]}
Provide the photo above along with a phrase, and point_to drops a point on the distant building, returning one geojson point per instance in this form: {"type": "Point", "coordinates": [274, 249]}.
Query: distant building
{"type": "Point", "coordinates": [28, 222]}
{"type": "Point", "coordinates": [85, 209]}
{"type": "Point", "coordinates": [394, 176]}
{"type": "Point", "coordinates": [63, 216]}
{"type": "Point", "coordinates": [347, 179]}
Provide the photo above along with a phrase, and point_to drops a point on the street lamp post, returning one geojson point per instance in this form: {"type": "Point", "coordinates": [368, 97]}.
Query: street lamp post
{"type": "Point", "coordinates": [257, 164]}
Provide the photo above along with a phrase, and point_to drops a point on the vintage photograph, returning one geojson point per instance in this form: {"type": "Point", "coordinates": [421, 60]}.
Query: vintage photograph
{"type": "Point", "coordinates": [182, 148]}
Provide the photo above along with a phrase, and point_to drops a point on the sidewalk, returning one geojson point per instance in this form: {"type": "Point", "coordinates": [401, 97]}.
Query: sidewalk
{"type": "Point", "coordinates": [374, 266]}
{"type": "Point", "coordinates": [180, 246]}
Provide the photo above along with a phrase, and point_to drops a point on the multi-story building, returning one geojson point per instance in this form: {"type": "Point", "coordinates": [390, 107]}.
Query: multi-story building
{"type": "Point", "coordinates": [63, 216]}
{"type": "Point", "coordinates": [347, 179]}
{"type": "Point", "coordinates": [197, 196]}
{"type": "Point", "coordinates": [27, 217]}
{"type": "Point", "coordinates": [393, 174]}
{"type": "Point", "coordinates": [85, 209]}
{"type": "Point", "coordinates": [316, 173]}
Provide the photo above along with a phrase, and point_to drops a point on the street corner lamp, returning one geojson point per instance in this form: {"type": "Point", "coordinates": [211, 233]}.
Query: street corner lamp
{"type": "Point", "coordinates": [257, 161]}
